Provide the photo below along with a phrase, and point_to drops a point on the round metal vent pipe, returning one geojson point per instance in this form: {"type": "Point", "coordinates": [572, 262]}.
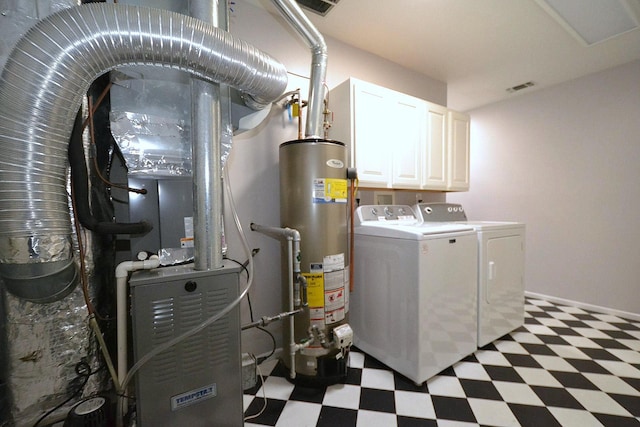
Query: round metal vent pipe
{"type": "Point", "coordinates": [310, 34]}
{"type": "Point", "coordinates": [41, 88]}
{"type": "Point", "coordinates": [206, 137]}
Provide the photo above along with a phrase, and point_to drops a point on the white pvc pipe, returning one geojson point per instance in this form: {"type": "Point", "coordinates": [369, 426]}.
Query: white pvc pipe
{"type": "Point", "coordinates": [293, 263]}
{"type": "Point", "coordinates": [292, 340]}
{"type": "Point", "coordinates": [122, 275]}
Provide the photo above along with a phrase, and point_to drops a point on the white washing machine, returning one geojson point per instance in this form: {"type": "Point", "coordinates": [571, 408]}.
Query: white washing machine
{"type": "Point", "coordinates": [501, 247]}
{"type": "Point", "coordinates": [413, 306]}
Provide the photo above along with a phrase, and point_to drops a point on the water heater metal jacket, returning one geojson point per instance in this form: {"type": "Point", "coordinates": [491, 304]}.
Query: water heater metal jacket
{"type": "Point", "coordinates": [41, 88]}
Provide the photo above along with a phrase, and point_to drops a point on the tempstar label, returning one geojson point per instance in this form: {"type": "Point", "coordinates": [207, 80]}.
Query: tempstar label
{"type": "Point", "coordinates": [194, 396]}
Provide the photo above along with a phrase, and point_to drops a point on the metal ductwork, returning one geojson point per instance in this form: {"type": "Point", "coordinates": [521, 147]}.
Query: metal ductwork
{"type": "Point", "coordinates": [299, 21]}
{"type": "Point", "coordinates": [41, 88]}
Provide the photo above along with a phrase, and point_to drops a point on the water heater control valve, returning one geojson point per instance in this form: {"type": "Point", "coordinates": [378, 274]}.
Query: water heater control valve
{"type": "Point", "coordinates": [343, 336]}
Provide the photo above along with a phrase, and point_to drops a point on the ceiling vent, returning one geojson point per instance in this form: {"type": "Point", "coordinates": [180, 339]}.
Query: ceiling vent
{"type": "Point", "coordinates": [519, 87]}
{"type": "Point", "coordinates": [321, 7]}
{"type": "Point", "coordinates": [594, 21]}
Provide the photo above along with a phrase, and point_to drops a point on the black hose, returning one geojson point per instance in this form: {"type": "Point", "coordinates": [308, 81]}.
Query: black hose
{"type": "Point", "coordinates": [80, 184]}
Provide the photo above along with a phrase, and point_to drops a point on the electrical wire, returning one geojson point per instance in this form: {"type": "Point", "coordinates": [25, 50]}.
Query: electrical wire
{"type": "Point", "coordinates": [93, 110]}
{"type": "Point", "coordinates": [105, 351]}
{"type": "Point", "coordinates": [89, 122]}
{"type": "Point", "coordinates": [83, 273]}
{"type": "Point", "coordinates": [83, 370]}
{"type": "Point", "coordinates": [264, 394]}
{"type": "Point", "coordinates": [251, 317]}
{"type": "Point", "coordinates": [286, 94]}
{"type": "Point", "coordinates": [243, 266]}
{"type": "Point", "coordinates": [273, 345]}
{"type": "Point", "coordinates": [93, 314]}
{"type": "Point", "coordinates": [299, 75]}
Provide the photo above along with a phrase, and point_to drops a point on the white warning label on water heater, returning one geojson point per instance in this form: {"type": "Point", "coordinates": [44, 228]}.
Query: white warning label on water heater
{"type": "Point", "coordinates": [334, 288]}
{"type": "Point", "coordinates": [333, 280]}
{"type": "Point", "coordinates": [333, 262]}
{"type": "Point", "coordinates": [334, 300]}
{"type": "Point", "coordinates": [327, 290]}
{"type": "Point", "coordinates": [334, 316]}
{"type": "Point", "coordinates": [330, 190]}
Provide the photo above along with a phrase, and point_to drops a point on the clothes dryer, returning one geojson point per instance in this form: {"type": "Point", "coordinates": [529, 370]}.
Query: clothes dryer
{"type": "Point", "coordinates": [501, 249]}
{"type": "Point", "coordinates": [414, 305]}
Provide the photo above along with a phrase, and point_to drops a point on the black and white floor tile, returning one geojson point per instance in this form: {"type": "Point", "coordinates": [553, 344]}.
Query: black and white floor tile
{"type": "Point", "coordinates": [565, 367]}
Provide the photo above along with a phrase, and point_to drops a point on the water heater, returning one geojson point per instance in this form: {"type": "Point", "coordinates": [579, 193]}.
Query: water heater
{"type": "Point", "coordinates": [313, 200]}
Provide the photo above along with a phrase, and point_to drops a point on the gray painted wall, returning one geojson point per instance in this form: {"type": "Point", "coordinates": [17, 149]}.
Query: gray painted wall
{"type": "Point", "coordinates": [565, 161]}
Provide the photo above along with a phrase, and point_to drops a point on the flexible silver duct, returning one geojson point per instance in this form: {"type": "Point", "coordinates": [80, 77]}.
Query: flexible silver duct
{"type": "Point", "coordinates": [41, 88]}
{"type": "Point", "coordinates": [299, 21]}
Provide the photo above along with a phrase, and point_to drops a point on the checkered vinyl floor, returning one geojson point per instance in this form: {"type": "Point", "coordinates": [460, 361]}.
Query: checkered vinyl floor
{"type": "Point", "coordinates": [565, 367]}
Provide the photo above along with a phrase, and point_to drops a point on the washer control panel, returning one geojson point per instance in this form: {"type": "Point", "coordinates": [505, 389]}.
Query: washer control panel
{"type": "Point", "coordinates": [440, 212]}
{"type": "Point", "coordinates": [384, 213]}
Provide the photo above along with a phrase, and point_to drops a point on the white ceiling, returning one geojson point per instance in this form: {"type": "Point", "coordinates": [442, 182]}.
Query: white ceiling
{"type": "Point", "coordinates": [478, 47]}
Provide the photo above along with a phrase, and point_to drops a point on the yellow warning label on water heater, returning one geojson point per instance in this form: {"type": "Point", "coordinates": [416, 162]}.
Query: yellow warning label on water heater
{"type": "Point", "coordinates": [315, 289]}
{"type": "Point", "coordinates": [330, 190]}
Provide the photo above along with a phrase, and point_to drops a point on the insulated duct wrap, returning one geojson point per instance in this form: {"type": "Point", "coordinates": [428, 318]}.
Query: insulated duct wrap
{"type": "Point", "coordinates": [41, 88]}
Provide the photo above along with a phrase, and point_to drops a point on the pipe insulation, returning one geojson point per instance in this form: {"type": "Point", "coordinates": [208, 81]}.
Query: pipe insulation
{"type": "Point", "coordinates": [41, 88]}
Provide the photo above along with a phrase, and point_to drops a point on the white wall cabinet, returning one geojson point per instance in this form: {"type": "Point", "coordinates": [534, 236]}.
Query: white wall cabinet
{"type": "Point", "coordinates": [399, 141]}
{"type": "Point", "coordinates": [458, 162]}
{"type": "Point", "coordinates": [435, 152]}
{"type": "Point", "coordinates": [373, 150]}
{"type": "Point", "coordinates": [384, 130]}
{"type": "Point", "coordinates": [408, 136]}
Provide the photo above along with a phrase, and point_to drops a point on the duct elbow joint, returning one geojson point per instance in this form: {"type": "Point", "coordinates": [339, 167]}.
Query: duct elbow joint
{"type": "Point", "coordinates": [255, 103]}
{"type": "Point", "coordinates": [41, 282]}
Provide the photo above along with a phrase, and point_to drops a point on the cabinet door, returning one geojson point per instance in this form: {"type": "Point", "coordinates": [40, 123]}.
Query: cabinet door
{"type": "Point", "coordinates": [398, 141]}
{"type": "Point", "coordinates": [434, 157]}
{"type": "Point", "coordinates": [407, 140]}
{"type": "Point", "coordinates": [373, 123]}
{"type": "Point", "coordinates": [458, 177]}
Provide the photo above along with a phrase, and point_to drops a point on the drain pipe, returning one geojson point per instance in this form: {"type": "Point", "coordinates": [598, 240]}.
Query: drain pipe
{"type": "Point", "coordinates": [299, 21]}
{"type": "Point", "coordinates": [122, 280]}
{"type": "Point", "coordinates": [293, 251]}
{"type": "Point", "coordinates": [45, 77]}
